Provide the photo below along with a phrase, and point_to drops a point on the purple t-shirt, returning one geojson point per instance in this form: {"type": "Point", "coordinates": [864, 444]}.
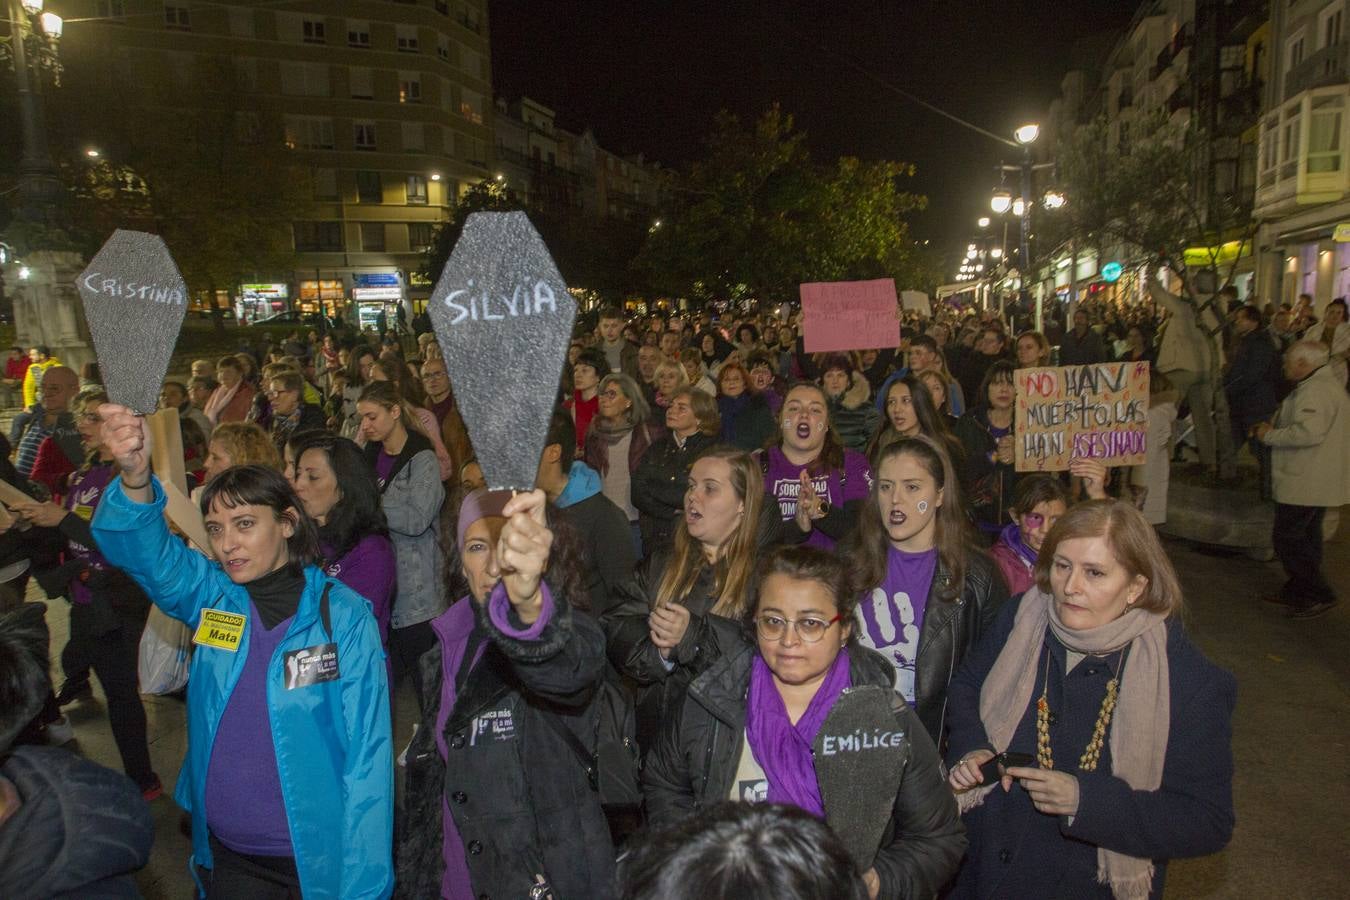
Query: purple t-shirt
{"type": "Point", "coordinates": [244, 808]}
{"type": "Point", "coordinates": [384, 466]}
{"type": "Point", "coordinates": [892, 614]}
{"type": "Point", "coordinates": [82, 496]}
{"type": "Point", "coordinates": [782, 483]}
{"type": "Point", "coordinates": [371, 569]}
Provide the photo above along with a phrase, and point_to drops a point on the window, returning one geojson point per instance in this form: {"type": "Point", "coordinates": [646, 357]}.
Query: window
{"type": "Point", "coordinates": [247, 128]}
{"type": "Point", "coordinates": [245, 73]}
{"type": "Point", "coordinates": [304, 79]}
{"type": "Point", "coordinates": [1293, 51]}
{"type": "Point", "coordinates": [407, 38]}
{"type": "Point", "coordinates": [1289, 143]}
{"type": "Point", "coordinates": [309, 133]}
{"type": "Point", "coordinates": [361, 83]}
{"type": "Point", "coordinates": [1324, 135]}
{"type": "Point", "coordinates": [364, 135]}
{"type": "Point", "coordinates": [372, 235]}
{"type": "Point", "coordinates": [409, 87]}
{"type": "Point", "coordinates": [241, 23]}
{"type": "Point", "coordinates": [443, 47]}
{"type": "Point", "coordinates": [358, 35]}
{"type": "Point", "coordinates": [414, 136]}
{"type": "Point", "coordinates": [325, 184]}
{"type": "Point", "coordinates": [314, 31]}
{"type": "Point", "coordinates": [420, 235]}
{"type": "Point", "coordinates": [471, 107]}
{"type": "Point", "coordinates": [368, 188]}
{"type": "Point", "coordinates": [417, 189]}
{"type": "Point", "coordinates": [317, 236]}
{"type": "Point", "coordinates": [179, 18]}
{"type": "Point", "coordinates": [1329, 26]}
{"type": "Point", "coordinates": [471, 62]}
{"type": "Point", "coordinates": [111, 9]}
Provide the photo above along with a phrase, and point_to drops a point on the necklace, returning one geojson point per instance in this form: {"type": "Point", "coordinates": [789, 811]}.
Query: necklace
{"type": "Point", "coordinates": [1093, 752]}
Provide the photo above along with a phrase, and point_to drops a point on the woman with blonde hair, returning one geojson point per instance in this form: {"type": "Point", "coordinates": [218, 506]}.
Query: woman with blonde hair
{"type": "Point", "coordinates": [232, 399]}
{"type": "Point", "coordinates": [239, 444]}
{"type": "Point", "coordinates": [668, 378]}
{"type": "Point", "coordinates": [683, 608]}
{"type": "Point", "coordinates": [1033, 350]}
{"type": "Point", "coordinates": [1088, 694]}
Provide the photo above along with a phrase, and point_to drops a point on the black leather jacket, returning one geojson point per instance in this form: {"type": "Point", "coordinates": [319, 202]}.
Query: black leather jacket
{"type": "Point", "coordinates": [950, 630]}
{"type": "Point", "coordinates": [694, 764]}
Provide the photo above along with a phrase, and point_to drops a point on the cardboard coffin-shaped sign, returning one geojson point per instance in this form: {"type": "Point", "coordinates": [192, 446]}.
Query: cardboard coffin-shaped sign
{"type": "Point", "coordinates": [860, 756]}
{"type": "Point", "coordinates": [503, 317]}
{"type": "Point", "coordinates": [134, 300]}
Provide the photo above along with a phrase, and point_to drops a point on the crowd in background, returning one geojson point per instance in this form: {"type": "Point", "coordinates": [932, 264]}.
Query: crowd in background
{"type": "Point", "coordinates": [727, 533]}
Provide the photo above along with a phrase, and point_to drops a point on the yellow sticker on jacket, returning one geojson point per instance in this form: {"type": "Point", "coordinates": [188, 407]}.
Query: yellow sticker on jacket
{"type": "Point", "coordinates": [220, 629]}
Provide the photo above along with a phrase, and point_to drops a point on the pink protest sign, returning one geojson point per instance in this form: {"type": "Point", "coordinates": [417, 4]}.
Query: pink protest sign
{"type": "Point", "coordinates": [850, 315]}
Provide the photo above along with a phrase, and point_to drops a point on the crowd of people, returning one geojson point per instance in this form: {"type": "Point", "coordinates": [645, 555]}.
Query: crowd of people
{"type": "Point", "coordinates": [730, 540]}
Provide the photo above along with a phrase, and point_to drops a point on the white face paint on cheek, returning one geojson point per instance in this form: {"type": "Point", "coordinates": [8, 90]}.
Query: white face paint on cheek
{"type": "Point", "coordinates": [923, 507]}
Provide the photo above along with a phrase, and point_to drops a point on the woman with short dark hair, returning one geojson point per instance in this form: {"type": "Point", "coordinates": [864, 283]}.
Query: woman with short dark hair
{"type": "Point", "coordinates": [747, 726]}
{"type": "Point", "coordinates": [988, 475]}
{"type": "Point", "coordinates": [662, 476]}
{"type": "Point", "coordinates": [287, 775]}
{"type": "Point", "coordinates": [1124, 729]}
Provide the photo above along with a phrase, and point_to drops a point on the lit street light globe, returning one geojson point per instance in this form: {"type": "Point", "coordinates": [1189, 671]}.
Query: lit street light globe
{"type": "Point", "coordinates": [1054, 200]}
{"type": "Point", "coordinates": [983, 222]}
{"type": "Point", "coordinates": [1027, 134]}
{"type": "Point", "coordinates": [1018, 207]}
{"type": "Point", "coordinates": [1001, 201]}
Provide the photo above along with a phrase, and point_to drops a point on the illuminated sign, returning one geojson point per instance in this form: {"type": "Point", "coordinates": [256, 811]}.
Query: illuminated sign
{"type": "Point", "coordinates": [377, 293]}
{"type": "Point", "coordinates": [269, 291]}
{"type": "Point", "coordinates": [1112, 271]}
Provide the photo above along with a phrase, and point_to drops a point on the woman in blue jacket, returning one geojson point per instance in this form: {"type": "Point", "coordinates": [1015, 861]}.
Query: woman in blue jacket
{"type": "Point", "coordinates": [288, 775]}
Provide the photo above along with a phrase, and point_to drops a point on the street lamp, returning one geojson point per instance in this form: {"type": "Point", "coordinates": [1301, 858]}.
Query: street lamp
{"type": "Point", "coordinates": [1001, 201]}
{"type": "Point", "coordinates": [1027, 134]}
{"type": "Point", "coordinates": [983, 222]}
{"type": "Point", "coordinates": [1019, 207]}
{"type": "Point", "coordinates": [31, 49]}
{"type": "Point", "coordinates": [1053, 200]}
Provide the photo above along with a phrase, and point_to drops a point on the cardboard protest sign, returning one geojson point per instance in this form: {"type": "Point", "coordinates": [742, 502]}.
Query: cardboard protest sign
{"type": "Point", "coordinates": [860, 754]}
{"type": "Point", "coordinates": [503, 318]}
{"type": "Point", "coordinates": [849, 315]}
{"type": "Point", "coordinates": [134, 301]}
{"type": "Point", "coordinates": [1065, 412]}
{"type": "Point", "coordinates": [166, 448]}
{"type": "Point", "coordinates": [186, 517]}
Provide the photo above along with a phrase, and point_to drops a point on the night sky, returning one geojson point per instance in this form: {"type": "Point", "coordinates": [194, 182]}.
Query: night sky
{"type": "Point", "coordinates": [651, 81]}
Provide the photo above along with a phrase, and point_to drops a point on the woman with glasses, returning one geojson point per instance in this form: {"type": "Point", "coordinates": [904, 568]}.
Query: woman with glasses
{"type": "Point", "coordinates": [616, 441]}
{"type": "Point", "coordinates": [746, 728]}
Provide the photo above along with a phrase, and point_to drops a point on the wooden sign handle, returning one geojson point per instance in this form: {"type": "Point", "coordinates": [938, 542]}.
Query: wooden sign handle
{"type": "Point", "coordinates": [166, 448]}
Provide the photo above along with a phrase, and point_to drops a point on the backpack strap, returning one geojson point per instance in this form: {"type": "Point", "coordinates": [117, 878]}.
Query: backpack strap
{"type": "Point", "coordinates": [584, 756]}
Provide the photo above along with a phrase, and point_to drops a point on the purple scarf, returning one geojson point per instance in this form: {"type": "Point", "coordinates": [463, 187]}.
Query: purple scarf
{"type": "Point", "coordinates": [783, 750]}
{"type": "Point", "coordinates": [1012, 536]}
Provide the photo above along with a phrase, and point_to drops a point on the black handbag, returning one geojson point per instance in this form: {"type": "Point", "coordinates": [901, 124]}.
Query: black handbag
{"type": "Point", "coordinates": [613, 767]}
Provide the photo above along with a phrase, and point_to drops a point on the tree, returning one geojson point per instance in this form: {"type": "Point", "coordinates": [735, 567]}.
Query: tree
{"type": "Point", "coordinates": [756, 217]}
{"type": "Point", "coordinates": [196, 161]}
{"type": "Point", "coordinates": [594, 253]}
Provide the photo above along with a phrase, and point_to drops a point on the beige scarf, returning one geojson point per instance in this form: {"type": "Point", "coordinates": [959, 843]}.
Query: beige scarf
{"type": "Point", "coordinates": [1139, 726]}
{"type": "Point", "coordinates": [219, 399]}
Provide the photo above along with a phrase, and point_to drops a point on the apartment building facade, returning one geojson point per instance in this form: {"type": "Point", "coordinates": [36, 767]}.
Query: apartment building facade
{"type": "Point", "coordinates": [386, 104]}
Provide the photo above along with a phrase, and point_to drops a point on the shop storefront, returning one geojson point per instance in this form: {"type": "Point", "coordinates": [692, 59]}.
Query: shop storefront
{"type": "Point", "coordinates": [325, 295]}
{"type": "Point", "coordinates": [258, 301]}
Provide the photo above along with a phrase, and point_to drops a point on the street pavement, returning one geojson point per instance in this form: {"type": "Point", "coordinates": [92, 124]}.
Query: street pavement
{"type": "Point", "coordinates": [1290, 735]}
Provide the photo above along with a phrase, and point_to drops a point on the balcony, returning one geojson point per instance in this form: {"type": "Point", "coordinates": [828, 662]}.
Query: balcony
{"type": "Point", "coordinates": [1321, 69]}
{"type": "Point", "coordinates": [1303, 156]}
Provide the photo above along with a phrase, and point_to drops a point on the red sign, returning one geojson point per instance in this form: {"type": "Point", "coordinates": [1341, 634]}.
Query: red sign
{"type": "Point", "coordinates": [850, 315]}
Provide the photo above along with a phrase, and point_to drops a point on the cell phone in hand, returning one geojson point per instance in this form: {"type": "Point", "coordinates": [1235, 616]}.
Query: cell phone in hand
{"type": "Point", "coordinates": [1007, 759]}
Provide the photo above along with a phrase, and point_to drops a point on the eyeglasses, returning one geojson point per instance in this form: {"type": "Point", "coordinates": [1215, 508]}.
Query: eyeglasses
{"type": "Point", "coordinates": [610, 394]}
{"type": "Point", "coordinates": [433, 374]}
{"type": "Point", "coordinates": [272, 395]}
{"type": "Point", "coordinates": [809, 629]}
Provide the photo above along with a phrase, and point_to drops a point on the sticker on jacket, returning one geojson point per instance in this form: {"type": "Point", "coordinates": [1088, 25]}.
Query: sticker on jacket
{"type": "Point", "coordinates": [311, 665]}
{"type": "Point", "coordinates": [220, 629]}
{"type": "Point", "coordinates": [498, 725]}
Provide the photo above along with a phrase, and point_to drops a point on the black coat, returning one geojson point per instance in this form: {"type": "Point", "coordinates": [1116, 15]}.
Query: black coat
{"type": "Point", "coordinates": [1016, 851]}
{"type": "Point", "coordinates": [950, 630]}
{"type": "Point", "coordinates": [659, 485]}
{"type": "Point", "coordinates": [1253, 380]}
{"type": "Point", "coordinates": [987, 487]}
{"type": "Point", "coordinates": [522, 803]}
{"type": "Point", "coordinates": [1084, 351]}
{"type": "Point", "coordinates": [694, 765]}
{"type": "Point", "coordinates": [82, 832]}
